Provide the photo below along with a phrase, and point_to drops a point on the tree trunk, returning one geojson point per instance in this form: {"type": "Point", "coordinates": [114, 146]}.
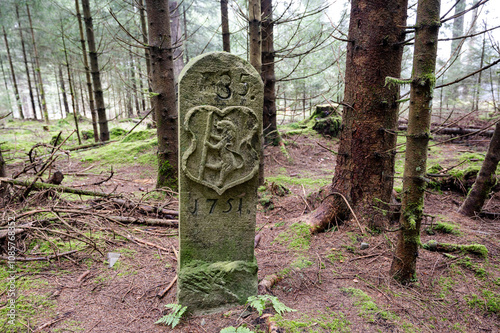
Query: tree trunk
{"type": "Point", "coordinates": [268, 75]}
{"type": "Point", "coordinates": [93, 111]}
{"type": "Point", "coordinates": [35, 81]}
{"type": "Point", "coordinates": [163, 86]}
{"type": "Point", "coordinates": [58, 87]}
{"type": "Point", "coordinates": [255, 50]}
{"type": "Point", "coordinates": [96, 75]}
{"type": "Point", "coordinates": [141, 88]}
{"type": "Point", "coordinates": [486, 178]}
{"type": "Point", "coordinates": [25, 59]}
{"type": "Point", "coordinates": [4, 75]}
{"type": "Point", "coordinates": [38, 70]}
{"type": "Point", "coordinates": [3, 173]}
{"type": "Point", "coordinates": [365, 162]}
{"type": "Point", "coordinates": [424, 62]}
{"type": "Point", "coordinates": [226, 44]}
{"type": "Point", "coordinates": [477, 92]}
{"type": "Point", "coordinates": [147, 55]}
{"type": "Point", "coordinates": [70, 83]}
{"type": "Point", "coordinates": [134, 83]}
{"type": "Point", "coordinates": [254, 25]}
{"type": "Point", "coordinates": [455, 71]}
{"type": "Point", "coordinates": [63, 91]}
{"type": "Point", "coordinates": [14, 81]}
{"type": "Point", "coordinates": [176, 40]}
{"type": "Point", "coordinates": [185, 33]}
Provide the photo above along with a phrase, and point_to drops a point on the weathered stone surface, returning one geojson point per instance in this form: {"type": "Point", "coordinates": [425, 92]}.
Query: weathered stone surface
{"type": "Point", "coordinates": [220, 126]}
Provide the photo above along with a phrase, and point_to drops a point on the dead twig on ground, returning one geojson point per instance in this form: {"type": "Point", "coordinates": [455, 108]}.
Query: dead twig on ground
{"type": "Point", "coordinates": [52, 322]}
{"type": "Point", "coordinates": [45, 258]}
{"type": "Point", "coordinates": [45, 186]}
{"type": "Point", "coordinates": [162, 293]}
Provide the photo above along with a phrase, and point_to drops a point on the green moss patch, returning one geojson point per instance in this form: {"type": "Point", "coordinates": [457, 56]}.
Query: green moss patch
{"type": "Point", "coordinates": [321, 321]}
{"type": "Point", "coordinates": [296, 238]}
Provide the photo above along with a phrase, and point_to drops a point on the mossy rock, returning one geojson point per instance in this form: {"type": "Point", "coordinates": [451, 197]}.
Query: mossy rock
{"type": "Point", "coordinates": [324, 111]}
{"type": "Point", "coordinates": [329, 126]}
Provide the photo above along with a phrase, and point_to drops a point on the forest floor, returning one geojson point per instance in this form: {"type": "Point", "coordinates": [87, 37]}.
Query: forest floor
{"type": "Point", "coordinates": [332, 281]}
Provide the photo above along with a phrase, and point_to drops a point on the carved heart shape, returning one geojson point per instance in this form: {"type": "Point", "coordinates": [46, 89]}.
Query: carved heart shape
{"type": "Point", "coordinates": [224, 146]}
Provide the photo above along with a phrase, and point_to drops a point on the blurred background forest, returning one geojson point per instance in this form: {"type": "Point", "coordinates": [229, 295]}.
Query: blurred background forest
{"type": "Point", "coordinates": [42, 44]}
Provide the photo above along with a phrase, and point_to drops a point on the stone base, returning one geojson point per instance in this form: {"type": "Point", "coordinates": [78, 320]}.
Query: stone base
{"type": "Point", "coordinates": [213, 287]}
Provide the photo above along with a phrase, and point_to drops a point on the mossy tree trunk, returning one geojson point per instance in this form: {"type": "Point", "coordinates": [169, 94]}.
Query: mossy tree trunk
{"type": "Point", "coordinates": [163, 86]}
{"type": "Point", "coordinates": [96, 74]}
{"type": "Point", "coordinates": [365, 162]}
{"type": "Point", "coordinates": [422, 84]}
{"type": "Point", "coordinates": [226, 44]}
{"type": "Point", "coordinates": [486, 178]}
{"type": "Point", "coordinates": [268, 74]}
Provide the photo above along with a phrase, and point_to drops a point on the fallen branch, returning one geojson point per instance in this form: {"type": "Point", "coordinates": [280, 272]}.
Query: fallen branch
{"type": "Point", "coordinates": [147, 221]}
{"type": "Point", "coordinates": [272, 327]}
{"type": "Point", "coordinates": [53, 256]}
{"type": "Point", "coordinates": [45, 186]}
{"type": "Point", "coordinates": [164, 291]}
{"type": "Point", "coordinates": [149, 209]}
{"type": "Point", "coordinates": [138, 123]}
{"type": "Point", "coordinates": [90, 145]}
{"type": "Point", "coordinates": [52, 322]}
{"type": "Point", "coordinates": [478, 249]}
{"type": "Point", "coordinates": [49, 162]}
{"type": "Point", "coordinates": [82, 276]}
{"type": "Point", "coordinates": [267, 283]}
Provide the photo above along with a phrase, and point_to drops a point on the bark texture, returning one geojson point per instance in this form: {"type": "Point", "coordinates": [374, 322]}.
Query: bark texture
{"type": "Point", "coordinates": [268, 74]}
{"type": "Point", "coordinates": [365, 162]}
{"type": "Point", "coordinates": [163, 85]}
{"type": "Point", "coordinates": [486, 178]}
{"type": "Point", "coordinates": [96, 75]}
{"type": "Point", "coordinates": [226, 44]}
{"type": "Point", "coordinates": [424, 62]}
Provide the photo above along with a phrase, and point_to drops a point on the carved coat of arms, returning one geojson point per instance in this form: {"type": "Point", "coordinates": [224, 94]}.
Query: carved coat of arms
{"type": "Point", "coordinates": [224, 147]}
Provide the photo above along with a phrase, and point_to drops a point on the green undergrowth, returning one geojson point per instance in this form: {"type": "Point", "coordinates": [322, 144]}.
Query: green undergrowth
{"type": "Point", "coordinates": [121, 152]}
{"type": "Point", "coordinates": [297, 128]}
{"type": "Point", "coordinates": [296, 237]}
{"type": "Point", "coordinates": [309, 183]}
{"type": "Point", "coordinates": [488, 301]}
{"type": "Point", "coordinates": [32, 299]}
{"type": "Point", "coordinates": [370, 310]}
{"type": "Point", "coordinates": [320, 321]}
{"type": "Point", "coordinates": [445, 228]}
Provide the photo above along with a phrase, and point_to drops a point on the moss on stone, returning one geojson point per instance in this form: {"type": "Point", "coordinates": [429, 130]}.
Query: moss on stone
{"type": "Point", "coordinates": [210, 287]}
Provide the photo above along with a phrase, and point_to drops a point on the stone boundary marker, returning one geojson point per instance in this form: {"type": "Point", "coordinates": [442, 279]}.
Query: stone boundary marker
{"type": "Point", "coordinates": [220, 129]}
